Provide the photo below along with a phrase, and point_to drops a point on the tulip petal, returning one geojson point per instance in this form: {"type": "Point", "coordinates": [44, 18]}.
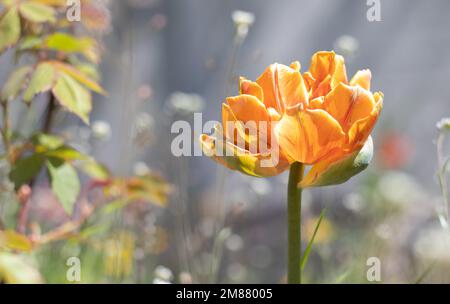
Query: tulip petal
{"type": "Point", "coordinates": [267, 83]}
{"type": "Point", "coordinates": [361, 129]}
{"type": "Point", "coordinates": [349, 104]}
{"type": "Point", "coordinates": [283, 87]}
{"type": "Point", "coordinates": [291, 86]}
{"type": "Point", "coordinates": [308, 136]}
{"type": "Point", "coordinates": [296, 66]}
{"type": "Point", "coordinates": [317, 103]}
{"type": "Point", "coordinates": [362, 78]}
{"type": "Point", "coordinates": [337, 171]}
{"type": "Point", "coordinates": [309, 80]}
{"type": "Point", "coordinates": [328, 63]}
{"type": "Point", "coordinates": [250, 88]}
{"type": "Point", "coordinates": [248, 108]}
{"type": "Point", "coordinates": [234, 158]}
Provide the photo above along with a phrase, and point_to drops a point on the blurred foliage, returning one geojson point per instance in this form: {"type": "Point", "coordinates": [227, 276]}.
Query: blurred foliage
{"type": "Point", "coordinates": [59, 59]}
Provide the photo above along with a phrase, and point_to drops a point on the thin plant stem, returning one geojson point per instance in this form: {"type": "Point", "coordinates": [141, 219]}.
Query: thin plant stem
{"type": "Point", "coordinates": [441, 174]}
{"type": "Point", "coordinates": [6, 129]}
{"type": "Point", "coordinates": [238, 41]}
{"type": "Point", "coordinates": [51, 110]}
{"type": "Point", "coordinates": [294, 224]}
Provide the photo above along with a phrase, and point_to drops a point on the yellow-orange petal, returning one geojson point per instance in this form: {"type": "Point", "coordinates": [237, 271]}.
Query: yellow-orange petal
{"type": "Point", "coordinates": [267, 83]}
{"type": "Point", "coordinates": [291, 87]}
{"type": "Point", "coordinates": [250, 122]}
{"type": "Point", "coordinates": [328, 63]}
{"type": "Point", "coordinates": [274, 115]}
{"type": "Point", "coordinates": [234, 158]}
{"type": "Point", "coordinates": [248, 108]}
{"type": "Point", "coordinates": [282, 87]}
{"type": "Point", "coordinates": [231, 130]}
{"type": "Point", "coordinates": [361, 129]}
{"type": "Point", "coordinates": [348, 104]}
{"type": "Point", "coordinates": [309, 80]}
{"type": "Point", "coordinates": [296, 66]}
{"type": "Point", "coordinates": [317, 103]}
{"type": "Point", "coordinates": [250, 88]}
{"type": "Point", "coordinates": [308, 136]}
{"type": "Point", "coordinates": [362, 78]}
{"type": "Point", "coordinates": [321, 89]}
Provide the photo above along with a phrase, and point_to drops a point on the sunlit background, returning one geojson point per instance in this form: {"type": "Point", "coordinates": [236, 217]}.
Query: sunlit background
{"type": "Point", "coordinates": [165, 60]}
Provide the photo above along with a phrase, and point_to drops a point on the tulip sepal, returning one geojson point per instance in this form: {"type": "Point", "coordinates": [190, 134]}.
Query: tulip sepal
{"type": "Point", "coordinates": [328, 173]}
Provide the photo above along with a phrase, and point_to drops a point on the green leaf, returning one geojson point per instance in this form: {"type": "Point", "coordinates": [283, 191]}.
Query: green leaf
{"type": "Point", "coordinates": [305, 256]}
{"type": "Point", "coordinates": [42, 80]}
{"type": "Point", "coordinates": [67, 43]}
{"type": "Point", "coordinates": [30, 42]}
{"type": "Point", "coordinates": [78, 76]}
{"type": "Point", "coordinates": [73, 96]}
{"type": "Point", "coordinates": [65, 183]}
{"type": "Point", "coordinates": [9, 29]}
{"type": "Point", "coordinates": [67, 154]}
{"type": "Point", "coordinates": [47, 141]}
{"type": "Point", "coordinates": [64, 42]}
{"type": "Point", "coordinates": [326, 174]}
{"type": "Point", "coordinates": [37, 12]}
{"type": "Point", "coordinates": [15, 83]}
{"type": "Point", "coordinates": [24, 170]}
{"type": "Point", "coordinates": [95, 170]}
{"type": "Point", "coordinates": [90, 70]}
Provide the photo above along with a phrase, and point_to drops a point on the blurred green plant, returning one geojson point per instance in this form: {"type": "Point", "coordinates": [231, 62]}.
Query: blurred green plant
{"type": "Point", "coordinates": [62, 59]}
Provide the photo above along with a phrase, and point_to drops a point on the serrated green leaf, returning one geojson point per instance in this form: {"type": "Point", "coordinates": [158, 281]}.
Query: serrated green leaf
{"type": "Point", "coordinates": [326, 174]}
{"type": "Point", "coordinates": [37, 12]}
{"type": "Point", "coordinates": [65, 183]}
{"type": "Point", "coordinates": [78, 76]}
{"type": "Point", "coordinates": [73, 96]}
{"type": "Point", "coordinates": [9, 29]}
{"type": "Point", "coordinates": [42, 80]}
{"type": "Point", "coordinates": [90, 70]}
{"type": "Point", "coordinates": [24, 170]}
{"type": "Point", "coordinates": [15, 83]}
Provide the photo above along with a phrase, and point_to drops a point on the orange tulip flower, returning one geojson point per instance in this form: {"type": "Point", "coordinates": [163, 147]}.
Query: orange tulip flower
{"type": "Point", "coordinates": [317, 118]}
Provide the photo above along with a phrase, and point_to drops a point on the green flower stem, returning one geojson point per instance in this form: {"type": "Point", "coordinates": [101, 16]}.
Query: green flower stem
{"type": "Point", "coordinates": [294, 224]}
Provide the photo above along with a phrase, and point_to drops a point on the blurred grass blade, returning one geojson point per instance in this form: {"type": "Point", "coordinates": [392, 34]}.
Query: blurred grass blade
{"type": "Point", "coordinates": [311, 242]}
{"type": "Point", "coordinates": [341, 278]}
{"type": "Point", "coordinates": [422, 277]}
